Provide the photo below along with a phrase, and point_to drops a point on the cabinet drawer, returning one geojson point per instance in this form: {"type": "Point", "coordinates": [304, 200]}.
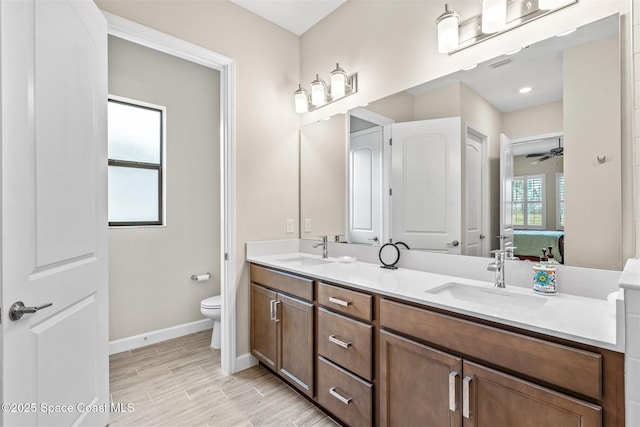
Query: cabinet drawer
{"type": "Point", "coordinates": [344, 395]}
{"type": "Point", "coordinates": [346, 342]}
{"type": "Point", "coordinates": [287, 283]}
{"type": "Point", "coordinates": [345, 301]}
{"type": "Point", "coordinates": [566, 367]}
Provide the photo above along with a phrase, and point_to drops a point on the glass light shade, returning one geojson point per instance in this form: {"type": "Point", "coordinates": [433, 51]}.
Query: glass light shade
{"type": "Point", "coordinates": [318, 91]}
{"type": "Point", "coordinates": [494, 15]}
{"type": "Point", "coordinates": [301, 98]}
{"type": "Point", "coordinates": [550, 4]}
{"type": "Point", "coordinates": [339, 82]}
{"type": "Point", "coordinates": [448, 34]}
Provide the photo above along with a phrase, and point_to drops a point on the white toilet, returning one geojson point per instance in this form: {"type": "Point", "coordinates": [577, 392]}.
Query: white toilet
{"type": "Point", "coordinates": [212, 308]}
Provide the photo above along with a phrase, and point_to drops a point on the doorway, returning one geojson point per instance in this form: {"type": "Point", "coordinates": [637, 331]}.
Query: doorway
{"type": "Point", "coordinates": [144, 36]}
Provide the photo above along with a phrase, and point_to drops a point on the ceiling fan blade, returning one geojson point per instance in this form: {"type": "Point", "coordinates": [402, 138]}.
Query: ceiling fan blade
{"type": "Point", "coordinates": [546, 153]}
{"type": "Point", "coordinates": [541, 159]}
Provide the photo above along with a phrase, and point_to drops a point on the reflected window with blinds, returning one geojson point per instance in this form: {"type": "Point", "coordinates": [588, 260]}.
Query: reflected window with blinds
{"type": "Point", "coordinates": [528, 202]}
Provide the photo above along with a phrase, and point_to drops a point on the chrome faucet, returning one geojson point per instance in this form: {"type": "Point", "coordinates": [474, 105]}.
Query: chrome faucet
{"type": "Point", "coordinates": [498, 264]}
{"type": "Point", "coordinates": [325, 246]}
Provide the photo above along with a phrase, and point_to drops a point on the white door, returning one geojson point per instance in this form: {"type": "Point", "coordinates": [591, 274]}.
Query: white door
{"type": "Point", "coordinates": [365, 187]}
{"type": "Point", "coordinates": [54, 212]}
{"type": "Point", "coordinates": [474, 195]}
{"type": "Point", "coordinates": [426, 185]}
{"type": "Point", "coordinates": [506, 192]}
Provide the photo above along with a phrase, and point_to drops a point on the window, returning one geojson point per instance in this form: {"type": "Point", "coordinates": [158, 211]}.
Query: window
{"type": "Point", "coordinates": [135, 163]}
{"type": "Point", "coordinates": [560, 200]}
{"type": "Point", "coordinates": [528, 202]}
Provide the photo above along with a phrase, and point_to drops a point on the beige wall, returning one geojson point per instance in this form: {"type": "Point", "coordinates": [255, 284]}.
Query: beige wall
{"type": "Point", "coordinates": [592, 129]}
{"type": "Point", "coordinates": [150, 267]}
{"type": "Point", "coordinates": [267, 71]}
{"type": "Point", "coordinates": [323, 177]}
{"type": "Point", "coordinates": [535, 121]}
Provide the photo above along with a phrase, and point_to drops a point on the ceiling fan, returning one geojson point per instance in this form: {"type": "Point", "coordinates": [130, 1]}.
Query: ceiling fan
{"type": "Point", "coordinates": [554, 152]}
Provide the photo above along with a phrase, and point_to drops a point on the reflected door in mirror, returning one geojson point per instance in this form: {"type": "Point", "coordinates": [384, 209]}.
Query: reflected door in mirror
{"type": "Point", "coordinates": [426, 184]}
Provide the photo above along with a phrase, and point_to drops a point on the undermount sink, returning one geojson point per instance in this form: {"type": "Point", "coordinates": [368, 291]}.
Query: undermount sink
{"type": "Point", "coordinates": [488, 296]}
{"type": "Point", "coordinates": [303, 261]}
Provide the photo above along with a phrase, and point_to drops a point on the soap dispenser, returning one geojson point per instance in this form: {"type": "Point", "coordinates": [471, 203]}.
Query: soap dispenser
{"type": "Point", "coordinates": [544, 275]}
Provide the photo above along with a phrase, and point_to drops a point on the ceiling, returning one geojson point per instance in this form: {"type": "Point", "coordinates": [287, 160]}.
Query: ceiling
{"type": "Point", "coordinates": [296, 16]}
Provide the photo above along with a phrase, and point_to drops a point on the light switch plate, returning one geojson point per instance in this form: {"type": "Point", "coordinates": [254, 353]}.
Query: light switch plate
{"type": "Point", "coordinates": [289, 226]}
{"type": "Point", "coordinates": [307, 225]}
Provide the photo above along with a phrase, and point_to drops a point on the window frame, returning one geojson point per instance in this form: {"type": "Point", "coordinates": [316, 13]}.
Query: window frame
{"type": "Point", "coordinates": [560, 202]}
{"type": "Point", "coordinates": [160, 167]}
{"type": "Point", "coordinates": [526, 202]}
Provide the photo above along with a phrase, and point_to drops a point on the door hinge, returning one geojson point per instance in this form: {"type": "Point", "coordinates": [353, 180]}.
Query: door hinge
{"type": "Point", "coordinates": [226, 256]}
{"type": "Point", "coordinates": [390, 141]}
{"type": "Point", "coordinates": [390, 192]}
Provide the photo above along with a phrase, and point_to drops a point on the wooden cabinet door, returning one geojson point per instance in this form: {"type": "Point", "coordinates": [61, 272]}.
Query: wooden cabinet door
{"type": "Point", "coordinates": [263, 328]}
{"type": "Point", "coordinates": [498, 399]}
{"type": "Point", "coordinates": [295, 337]}
{"type": "Point", "coordinates": [414, 384]}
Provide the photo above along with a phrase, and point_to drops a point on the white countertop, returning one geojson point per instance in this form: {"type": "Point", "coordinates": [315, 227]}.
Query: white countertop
{"type": "Point", "coordinates": [585, 320]}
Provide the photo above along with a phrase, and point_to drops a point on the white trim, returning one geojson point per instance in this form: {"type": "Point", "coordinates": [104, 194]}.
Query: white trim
{"type": "Point", "coordinates": [148, 37]}
{"type": "Point", "coordinates": [245, 361]}
{"type": "Point", "coordinates": [558, 201]}
{"type": "Point", "coordinates": [142, 340]}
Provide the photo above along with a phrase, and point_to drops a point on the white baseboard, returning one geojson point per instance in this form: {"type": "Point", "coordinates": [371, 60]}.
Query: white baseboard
{"type": "Point", "coordinates": [245, 361]}
{"type": "Point", "coordinates": [137, 341]}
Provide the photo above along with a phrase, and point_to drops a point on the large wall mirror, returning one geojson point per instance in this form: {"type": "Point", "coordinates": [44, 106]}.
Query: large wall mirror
{"type": "Point", "coordinates": [474, 160]}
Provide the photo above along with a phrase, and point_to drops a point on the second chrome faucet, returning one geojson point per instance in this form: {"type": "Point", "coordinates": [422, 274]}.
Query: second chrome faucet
{"type": "Point", "coordinates": [325, 246]}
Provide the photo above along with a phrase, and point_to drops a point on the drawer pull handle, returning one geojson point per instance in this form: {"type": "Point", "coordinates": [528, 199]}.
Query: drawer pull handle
{"type": "Point", "coordinates": [334, 393]}
{"type": "Point", "coordinates": [452, 391]}
{"type": "Point", "coordinates": [339, 301]}
{"type": "Point", "coordinates": [465, 396]}
{"type": "Point", "coordinates": [339, 342]}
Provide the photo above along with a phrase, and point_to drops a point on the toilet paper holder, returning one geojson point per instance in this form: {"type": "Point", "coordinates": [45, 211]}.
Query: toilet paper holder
{"type": "Point", "coordinates": [201, 277]}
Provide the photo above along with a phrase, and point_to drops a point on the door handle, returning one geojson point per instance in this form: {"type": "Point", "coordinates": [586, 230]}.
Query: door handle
{"type": "Point", "coordinates": [375, 238]}
{"type": "Point", "coordinates": [18, 309]}
{"type": "Point", "coordinates": [454, 243]}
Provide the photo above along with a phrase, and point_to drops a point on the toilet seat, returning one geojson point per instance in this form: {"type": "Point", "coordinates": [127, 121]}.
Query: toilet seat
{"type": "Point", "coordinates": [211, 302]}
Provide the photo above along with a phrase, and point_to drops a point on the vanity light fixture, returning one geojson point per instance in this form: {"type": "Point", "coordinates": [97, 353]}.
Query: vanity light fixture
{"type": "Point", "coordinates": [498, 16]}
{"type": "Point", "coordinates": [549, 4]}
{"type": "Point", "coordinates": [448, 30]}
{"type": "Point", "coordinates": [342, 85]}
{"type": "Point", "coordinates": [318, 91]}
{"type": "Point", "coordinates": [566, 33]}
{"type": "Point", "coordinates": [494, 16]}
{"type": "Point", "coordinates": [301, 98]}
{"type": "Point", "coordinates": [339, 82]}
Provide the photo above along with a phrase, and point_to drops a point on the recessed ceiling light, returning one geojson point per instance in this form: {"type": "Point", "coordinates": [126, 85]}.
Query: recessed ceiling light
{"type": "Point", "coordinates": [525, 89]}
{"type": "Point", "coordinates": [514, 51]}
{"type": "Point", "coordinates": [566, 33]}
{"type": "Point", "coordinates": [470, 67]}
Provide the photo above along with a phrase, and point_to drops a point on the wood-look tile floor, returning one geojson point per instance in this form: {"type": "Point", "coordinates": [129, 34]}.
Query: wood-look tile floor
{"type": "Point", "coordinates": [179, 383]}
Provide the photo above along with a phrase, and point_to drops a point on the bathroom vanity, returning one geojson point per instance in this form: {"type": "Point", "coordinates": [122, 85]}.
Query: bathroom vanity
{"type": "Point", "coordinates": [405, 347]}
